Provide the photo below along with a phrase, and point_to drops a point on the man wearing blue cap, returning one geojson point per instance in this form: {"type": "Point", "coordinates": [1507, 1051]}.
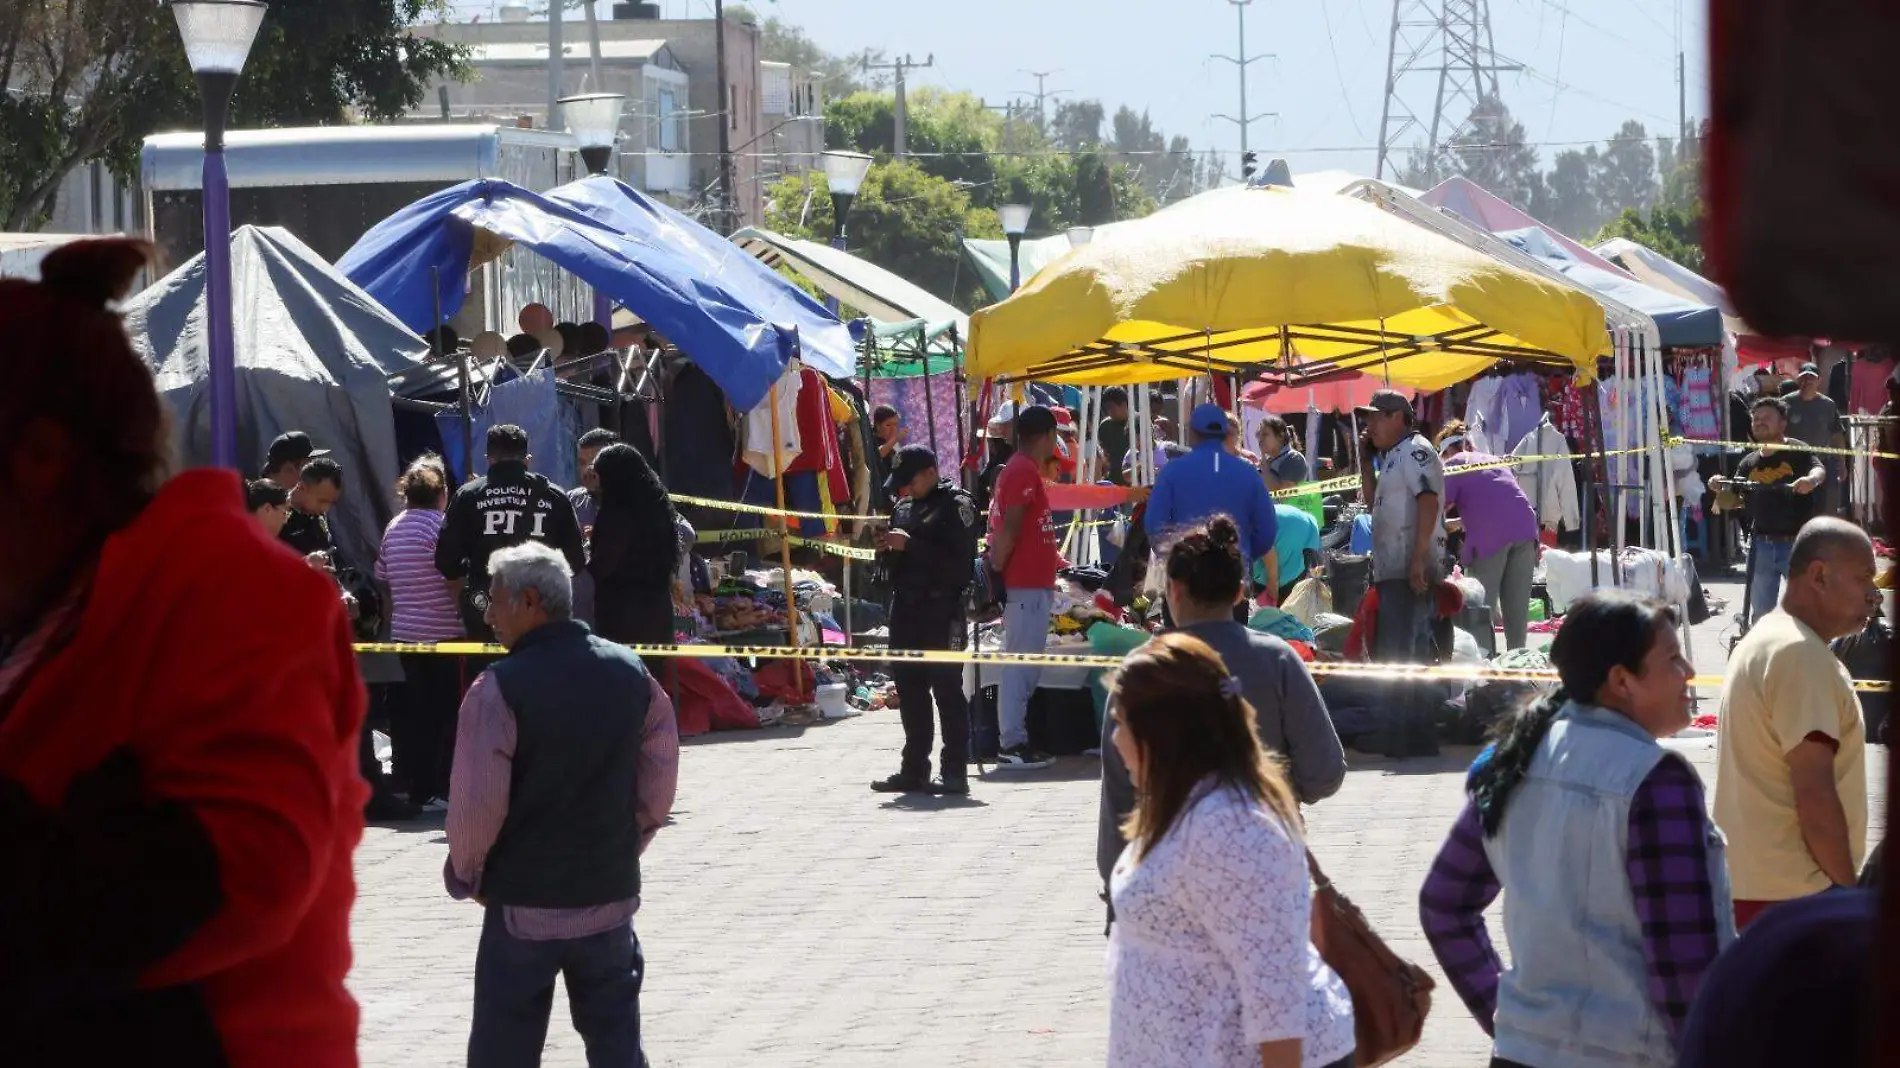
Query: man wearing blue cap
{"type": "Point", "coordinates": [1209, 482]}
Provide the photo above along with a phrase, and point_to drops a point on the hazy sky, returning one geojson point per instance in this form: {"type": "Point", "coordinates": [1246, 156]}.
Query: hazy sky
{"type": "Point", "coordinates": [1590, 64]}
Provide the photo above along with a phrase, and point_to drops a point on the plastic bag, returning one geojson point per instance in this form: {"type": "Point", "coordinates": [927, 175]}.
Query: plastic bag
{"type": "Point", "coordinates": [1309, 600]}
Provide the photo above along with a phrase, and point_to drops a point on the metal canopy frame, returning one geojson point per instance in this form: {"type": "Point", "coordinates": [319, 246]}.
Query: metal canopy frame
{"type": "Point", "coordinates": [1188, 352]}
{"type": "Point", "coordinates": [1635, 341]}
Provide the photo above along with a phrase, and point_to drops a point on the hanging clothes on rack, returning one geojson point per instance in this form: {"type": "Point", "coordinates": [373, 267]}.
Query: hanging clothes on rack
{"type": "Point", "coordinates": [1550, 484]}
{"type": "Point", "coordinates": [760, 453]}
{"type": "Point", "coordinates": [1699, 417]}
{"type": "Point", "coordinates": [817, 436]}
{"type": "Point", "coordinates": [698, 440]}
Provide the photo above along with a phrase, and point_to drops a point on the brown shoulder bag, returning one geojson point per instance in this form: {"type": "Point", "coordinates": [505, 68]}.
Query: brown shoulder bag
{"type": "Point", "coordinates": [1390, 997]}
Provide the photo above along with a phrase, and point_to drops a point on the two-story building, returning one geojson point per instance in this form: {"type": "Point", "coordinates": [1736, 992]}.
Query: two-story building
{"type": "Point", "coordinates": [668, 69]}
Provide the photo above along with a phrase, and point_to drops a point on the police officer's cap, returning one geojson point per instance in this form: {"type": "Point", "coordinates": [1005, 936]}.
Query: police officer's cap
{"type": "Point", "coordinates": [906, 464]}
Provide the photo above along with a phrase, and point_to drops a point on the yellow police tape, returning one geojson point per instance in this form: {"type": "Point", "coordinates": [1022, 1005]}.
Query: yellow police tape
{"type": "Point", "coordinates": [1751, 446]}
{"type": "Point", "coordinates": [1395, 672]}
{"type": "Point", "coordinates": [1352, 481]}
{"type": "Point", "coordinates": [1331, 485]}
{"type": "Point", "coordinates": [759, 533]}
{"type": "Point", "coordinates": [759, 509]}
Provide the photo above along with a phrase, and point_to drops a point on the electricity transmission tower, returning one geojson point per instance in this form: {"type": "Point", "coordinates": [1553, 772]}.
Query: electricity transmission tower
{"type": "Point", "coordinates": [1442, 51]}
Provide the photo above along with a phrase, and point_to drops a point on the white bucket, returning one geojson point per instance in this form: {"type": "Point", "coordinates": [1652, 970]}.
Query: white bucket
{"type": "Point", "coordinates": [831, 703]}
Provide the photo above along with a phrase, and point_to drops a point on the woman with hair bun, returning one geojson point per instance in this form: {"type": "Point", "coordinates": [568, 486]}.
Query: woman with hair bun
{"type": "Point", "coordinates": [179, 715]}
{"type": "Point", "coordinates": [1290, 720]}
{"type": "Point", "coordinates": [1618, 890]}
{"type": "Point", "coordinates": [1211, 961]}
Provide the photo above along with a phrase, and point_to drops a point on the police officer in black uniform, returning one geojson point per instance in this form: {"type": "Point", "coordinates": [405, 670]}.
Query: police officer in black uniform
{"type": "Point", "coordinates": [930, 551]}
{"type": "Point", "coordinates": [508, 506]}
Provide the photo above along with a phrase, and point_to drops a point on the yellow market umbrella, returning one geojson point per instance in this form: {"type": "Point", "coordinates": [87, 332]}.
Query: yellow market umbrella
{"type": "Point", "coordinates": [1300, 284]}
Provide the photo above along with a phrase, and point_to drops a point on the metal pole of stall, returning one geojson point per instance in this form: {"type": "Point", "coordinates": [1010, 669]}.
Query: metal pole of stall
{"type": "Point", "coordinates": [956, 383]}
{"type": "Point", "coordinates": [461, 369]}
{"type": "Point", "coordinates": [930, 407]}
{"type": "Point", "coordinates": [785, 543]}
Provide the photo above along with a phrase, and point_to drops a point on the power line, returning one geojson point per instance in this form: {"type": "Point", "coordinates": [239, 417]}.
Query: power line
{"type": "Point", "coordinates": [1461, 146]}
{"type": "Point", "coordinates": [1339, 72]}
{"type": "Point", "coordinates": [1605, 30]}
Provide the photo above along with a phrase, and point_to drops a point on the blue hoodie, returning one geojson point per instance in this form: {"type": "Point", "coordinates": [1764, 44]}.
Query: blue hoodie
{"type": "Point", "coordinates": [1207, 482]}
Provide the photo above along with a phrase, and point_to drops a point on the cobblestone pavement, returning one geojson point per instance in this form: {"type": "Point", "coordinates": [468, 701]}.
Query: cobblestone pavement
{"type": "Point", "coordinates": [794, 918]}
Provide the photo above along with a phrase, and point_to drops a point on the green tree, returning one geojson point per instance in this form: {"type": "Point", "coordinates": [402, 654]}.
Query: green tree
{"type": "Point", "coordinates": [89, 79]}
{"type": "Point", "coordinates": [1672, 232]}
{"type": "Point", "coordinates": [905, 220]}
{"type": "Point", "coordinates": [1495, 154]}
{"type": "Point", "coordinates": [1571, 190]}
{"type": "Point", "coordinates": [1076, 125]}
{"type": "Point", "coordinates": [952, 132]}
{"type": "Point", "coordinates": [1626, 171]}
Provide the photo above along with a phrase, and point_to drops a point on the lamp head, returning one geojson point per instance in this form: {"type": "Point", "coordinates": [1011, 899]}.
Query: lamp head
{"type": "Point", "coordinates": [594, 120]}
{"type": "Point", "coordinates": [845, 171]}
{"type": "Point", "coordinates": [1015, 219]}
{"type": "Point", "coordinates": [1080, 235]}
{"type": "Point", "coordinates": [218, 33]}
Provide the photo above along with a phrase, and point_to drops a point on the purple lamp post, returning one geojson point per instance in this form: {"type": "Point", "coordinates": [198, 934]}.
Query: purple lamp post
{"type": "Point", "coordinates": [594, 120]}
{"type": "Point", "coordinates": [218, 36]}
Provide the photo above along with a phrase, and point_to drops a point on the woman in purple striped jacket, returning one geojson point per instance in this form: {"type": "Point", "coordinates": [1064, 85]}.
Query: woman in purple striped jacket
{"type": "Point", "coordinates": [1618, 895]}
{"type": "Point", "coordinates": [422, 709]}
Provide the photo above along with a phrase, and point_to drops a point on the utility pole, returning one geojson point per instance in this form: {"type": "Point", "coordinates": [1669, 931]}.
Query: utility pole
{"type": "Point", "coordinates": [1682, 107]}
{"type": "Point", "coordinates": [1042, 94]}
{"type": "Point", "coordinates": [1241, 62]}
{"type": "Point", "coordinates": [555, 74]}
{"type": "Point", "coordinates": [900, 136]}
{"type": "Point", "coordinates": [726, 201]}
{"type": "Point", "coordinates": [593, 48]}
{"type": "Point", "coordinates": [1009, 123]}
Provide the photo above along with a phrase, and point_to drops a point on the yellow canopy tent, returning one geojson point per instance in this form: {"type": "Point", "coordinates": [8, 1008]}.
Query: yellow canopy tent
{"type": "Point", "coordinates": [1297, 284]}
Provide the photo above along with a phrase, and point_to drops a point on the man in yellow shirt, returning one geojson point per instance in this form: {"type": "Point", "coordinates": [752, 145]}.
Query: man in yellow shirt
{"type": "Point", "coordinates": [1791, 786]}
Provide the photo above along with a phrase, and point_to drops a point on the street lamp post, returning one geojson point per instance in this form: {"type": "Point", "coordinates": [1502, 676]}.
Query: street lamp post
{"type": "Point", "coordinates": [844, 176]}
{"type": "Point", "coordinates": [217, 36]}
{"type": "Point", "coordinates": [594, 120]}
{"type": "Point", "coordinates": [1015, 224]}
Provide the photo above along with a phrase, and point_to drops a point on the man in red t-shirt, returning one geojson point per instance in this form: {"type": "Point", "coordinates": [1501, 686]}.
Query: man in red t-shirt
{"type": "Point", "coordinates": [1023, 550]}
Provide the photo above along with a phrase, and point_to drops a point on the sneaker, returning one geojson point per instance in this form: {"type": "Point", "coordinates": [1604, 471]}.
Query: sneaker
{"type": "Point", "coordinates": [951, 787]}
{"type": "Point", "coordinates": [388, 808]}
{"type": "Point", "coordinates": [1022, 758]}
{"type": "Point", "coordinates": [436, 804]}
{"type": "Point", "coordinates": [902, 783]}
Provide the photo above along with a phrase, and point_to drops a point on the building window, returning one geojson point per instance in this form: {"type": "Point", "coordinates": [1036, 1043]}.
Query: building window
{"type": "Point", "coordinates": [669, 122]}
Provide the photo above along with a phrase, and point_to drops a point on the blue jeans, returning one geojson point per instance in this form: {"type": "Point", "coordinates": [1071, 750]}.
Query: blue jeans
{"type": "Point", "coordinates": [1025, 630]}
{"type": "Point", "coordinates": [514, 995]}
{"type": "Point", "coordinates": [1768, 558]}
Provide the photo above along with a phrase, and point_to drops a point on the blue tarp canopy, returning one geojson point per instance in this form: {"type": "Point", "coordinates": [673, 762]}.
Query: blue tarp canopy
{"type": "Point", "coordinates": [1681, 323]}
{"type": "Point", "coordinates": [734, 317]}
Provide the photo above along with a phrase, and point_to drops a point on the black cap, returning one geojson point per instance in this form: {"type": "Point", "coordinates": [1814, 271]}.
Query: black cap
{"type": "Point", "coordinates": [907, 463]}
{"type": "Point", "coordinates": [293, 445]}
{"type": "Point", "coordinates": [1385, 401]}
{"type": "Point", "coordinates": [1809, 369]}
{"type": "Point", "coordinates": [1034, 420]}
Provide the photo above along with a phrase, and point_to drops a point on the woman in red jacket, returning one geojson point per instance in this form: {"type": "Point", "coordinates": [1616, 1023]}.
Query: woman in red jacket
{"type": "Point", "coordinates": [179, 705]}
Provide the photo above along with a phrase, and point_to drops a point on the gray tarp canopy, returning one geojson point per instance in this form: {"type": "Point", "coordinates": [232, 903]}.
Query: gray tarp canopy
{"type": "Point", "coordinates": [314, 353]}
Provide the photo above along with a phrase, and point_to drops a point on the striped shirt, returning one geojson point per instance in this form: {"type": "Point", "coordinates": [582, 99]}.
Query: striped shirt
{"type": "Point", "coordinates": [423, 609]}
{"type": "Point", "coordinates": [1667, 864]}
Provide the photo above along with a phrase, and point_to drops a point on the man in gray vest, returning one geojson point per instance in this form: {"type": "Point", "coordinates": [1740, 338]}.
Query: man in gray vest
{"type": "Point", "coordinates": [566, 760]}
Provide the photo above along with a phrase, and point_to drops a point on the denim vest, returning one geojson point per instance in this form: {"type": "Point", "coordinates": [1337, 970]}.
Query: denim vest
{"type": "Point", "coordinates": [1577, 992]}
